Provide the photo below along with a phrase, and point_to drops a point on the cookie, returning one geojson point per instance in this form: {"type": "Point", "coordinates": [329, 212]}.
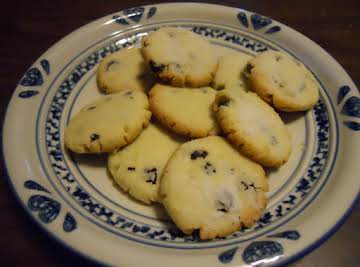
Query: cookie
{"type": "Point", "coordinates": [282, 81]}
{"type": "Point", "coordinates": [209, 186]}
{"type": "Point", "coordinates": [108, 123]}
{"type": "Point", "coordinates": [229, 74]}
{"type": "Point", "coordinates": [180, 57]}
{"type": "Point", "coordinates": [124, 70]}
{"type": "Point", "coordinates": [253, 127]}
{"type": "Point", "coordinates": [185, 111]}
{"type": "Point", "coordinates": [138, 167]}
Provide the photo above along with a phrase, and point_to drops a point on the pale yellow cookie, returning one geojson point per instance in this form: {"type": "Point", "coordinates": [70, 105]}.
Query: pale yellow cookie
{"type": "Point", "coordinates": [282, 81]}
{"type": "Point", "coordinates": [180, 57]}
{"type": "Point", "coordinates": [138, 167]}
{"type": "Point", "coordinates": [253, 127]}
{"type": "Point", "coordinates": [108, 123]}
{"type": "Point", "coordinates": [208, 185]}
{"type": "Point", "coordinates": [185, 111]}
{"type": "Point", "coordinates": [124, 70]}
{"type": "Point", "coordinates": [229, 74]}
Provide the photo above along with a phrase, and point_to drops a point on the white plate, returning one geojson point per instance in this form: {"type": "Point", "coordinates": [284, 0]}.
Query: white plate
{"type": "Point", "coordinates": [74, 200]}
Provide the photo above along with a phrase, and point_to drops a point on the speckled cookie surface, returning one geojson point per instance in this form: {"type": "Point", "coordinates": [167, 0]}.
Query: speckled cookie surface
{"type": "Point", "coordinates": [108, 123]}
{"type": "Point", "coordinates": [186, 111]}
{"type": "Point", "coordinates": [124, 70]}
{"type": "Point", "coordinates": [229, 74]}
{"type": "Point", "coordinates": [180, 57]}
{"type": "Point", "coordinates": [138, 167]}
{"type": "Point", "coordinates": [253, 127]}
{"type": "Point", "coordinates": [282, 81]}
{"type": "Point", "coordinates": [208, 185]}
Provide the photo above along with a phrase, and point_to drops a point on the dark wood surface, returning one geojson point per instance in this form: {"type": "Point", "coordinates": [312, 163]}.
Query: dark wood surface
{"type": "Point", "coordinates": [28, 28]}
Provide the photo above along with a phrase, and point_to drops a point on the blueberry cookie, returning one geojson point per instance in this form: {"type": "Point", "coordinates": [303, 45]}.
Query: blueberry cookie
{"type": "Point", "coordinates": [209, 186]}
{"type": "Point", "coordinates": [180, 57]}
{"type": "Point", "coordinates": [229, 74]}
{"type": "Point", "coordinates": [124, 70]}
{"type": "Point", "coordinates": [253, 127]}
{"type": "Point", "coordinates": [185, 111]}
{"type": "Point", "coordinates": [282, 81]}
{"type": "Point", "coordinates": [138, 167]}
{"type": "Point", "coordinates": [108, 123]}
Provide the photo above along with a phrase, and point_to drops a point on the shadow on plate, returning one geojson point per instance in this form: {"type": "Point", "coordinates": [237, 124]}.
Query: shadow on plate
{"type": "Point", "coordinates": [289, 117]}
{"type": "Point", "coordinates": [93, 160]}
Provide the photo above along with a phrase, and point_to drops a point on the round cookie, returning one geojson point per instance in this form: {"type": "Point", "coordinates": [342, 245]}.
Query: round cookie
{"type": "Point", "coordinates": [185, 111]}
{"type": "Point", "coordinates": [282, 81]}
{"type": "Point", "coordinates": [180, 57]}
{"type": "Point", "coordinates": [229, 74]}
{"type": "Point", "coordinates": [138, 167]}
{"type": "Point", "coordinates": [108, 123]}
{"type": "Point", "coordinates": [124, 70]}
{"type": "Point", "coordinates": [208, 185]}
{"type": "Point", "coordinates": [253, 127]}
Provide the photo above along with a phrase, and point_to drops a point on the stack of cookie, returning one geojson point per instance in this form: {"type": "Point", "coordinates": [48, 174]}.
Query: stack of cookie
{"type": "Point", "coordinates": [193, 131]}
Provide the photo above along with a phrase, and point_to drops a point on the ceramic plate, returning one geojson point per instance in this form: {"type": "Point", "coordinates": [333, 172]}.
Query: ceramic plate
{"type": "Point", "coordinates": [73, 199]}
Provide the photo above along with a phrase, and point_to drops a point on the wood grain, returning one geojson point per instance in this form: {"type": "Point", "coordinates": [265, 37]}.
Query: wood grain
{"type": "Point", "coordinates": [28, 28]}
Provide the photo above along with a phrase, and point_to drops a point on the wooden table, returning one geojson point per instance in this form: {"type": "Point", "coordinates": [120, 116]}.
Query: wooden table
{"type": "Point", "coordinates": [28, 28]}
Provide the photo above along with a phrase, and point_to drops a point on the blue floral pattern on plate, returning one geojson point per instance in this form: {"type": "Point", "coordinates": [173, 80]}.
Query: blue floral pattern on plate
{"type": "Point", "coordinates": [258, 22]}
{"type": "Point", "coordinates": [261, 250]}
{"type": "Point", "coordinates": [34, 78]}
{"type": "Point", "coordinates": [291, 235]}
{"type": "Point", "coordinates": [69, 223]}
{"type": "Point", "coordinates": [48, 209]}
{"type": "Point", "coordinates": [134, 14]}
{"type": "Point", "coordinates": [28, 93]}
{"type": "Point", "coordinates": [31, 184]}
{"type": "Point", "coordinates": [45, 65]}
{"type": "Point", "coordinates": [258, 251]}
{"type": "Point", "coordinates": [228, 255]}
{"type": "Point", "coordinates": [351, 107]}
